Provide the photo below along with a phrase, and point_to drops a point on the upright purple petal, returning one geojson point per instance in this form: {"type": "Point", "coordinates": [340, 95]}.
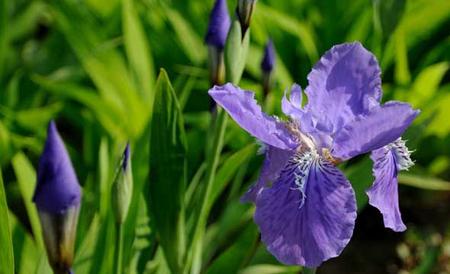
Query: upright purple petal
{"type": "Point", "coordinates": [219, 24]}
{"type": "Point", "coordinates": [380, 127]}
{"type": "Point", "coordinates": [243, 108]}
{"type": "Point", "coordinates": [292, 107]}
{"type": "Point", "coordinates": [268, 61]}
{"type": "Point", "coordinates": [57, 186]}
{"type": "Point", "coordinates": [383, 194]}
{"type": "Point", "coordinates": [345, 83]}
{"type": "Point", "coordinates": [309, 214]}
{"type": "Point", "coordinates": [274, 161]}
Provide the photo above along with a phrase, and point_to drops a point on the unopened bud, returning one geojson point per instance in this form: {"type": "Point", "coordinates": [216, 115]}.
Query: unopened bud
{"type": "Point", "coordinates": [57, 197]}
{"type": "Point", "coordinates": [123, 187]}
{"type": "Point", "coordinates": [267, 66]}
{"type": "Point", "coordinates": [244, 12]}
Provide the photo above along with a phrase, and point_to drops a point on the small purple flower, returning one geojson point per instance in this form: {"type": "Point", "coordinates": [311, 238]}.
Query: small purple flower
{"type": "Point", "coordinates": [57, 186]}
{"type": "Point", "coordinates": [219, 25]}
{"type": "Point", "coordinates": [268, 61]}
{"type": "Point", "coordinates": [305, 207]}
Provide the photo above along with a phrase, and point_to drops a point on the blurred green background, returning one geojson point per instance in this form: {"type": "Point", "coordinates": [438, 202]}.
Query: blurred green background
{"type": "Point", "coordinates": [92, 66]}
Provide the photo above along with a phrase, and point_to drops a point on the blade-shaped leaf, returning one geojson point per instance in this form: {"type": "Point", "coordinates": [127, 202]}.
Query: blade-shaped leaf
{"type": "Point", "coordinates": [168, 172]}
{"type": "Point", "coordinates": [6, 255]}
{"type": "Point", "coordinates": [137, 48]}
{"type": "Point", "coordinates": [26, 177]}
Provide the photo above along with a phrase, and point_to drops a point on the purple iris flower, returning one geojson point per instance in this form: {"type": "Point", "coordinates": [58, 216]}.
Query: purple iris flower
{"type": "Point", "coordinates": [268, 61]}
{"type": "Point", "coordinates": [219, 24]}
{"type": "Point", "coordinates": [305, 207]}
{"type": "Point", "coordinates": [57, 187]}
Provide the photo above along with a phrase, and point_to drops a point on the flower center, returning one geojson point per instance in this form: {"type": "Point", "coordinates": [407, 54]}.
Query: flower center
{"type": "Point", "coordinates": [307, 144]}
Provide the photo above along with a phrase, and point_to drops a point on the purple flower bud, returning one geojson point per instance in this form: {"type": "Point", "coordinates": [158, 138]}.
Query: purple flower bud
{"type": "Point", "coordinates": [219, 24]}
{"type": "Point", "coordinates": [57, 197]}
{"type": "Point", "coordinates": [268, 60]}
{"type": "Point", "coordinates": [57, 186]}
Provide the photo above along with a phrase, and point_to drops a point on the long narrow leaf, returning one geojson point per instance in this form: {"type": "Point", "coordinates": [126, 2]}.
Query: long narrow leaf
{"type": "Point", "coordinates": [168, 173]}
{"type": "Point", "coordinates": [6, 255]}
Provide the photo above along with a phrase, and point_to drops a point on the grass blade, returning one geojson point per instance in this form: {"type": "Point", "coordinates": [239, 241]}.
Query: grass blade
{"type": "Point", "coordinates": [7, 255]}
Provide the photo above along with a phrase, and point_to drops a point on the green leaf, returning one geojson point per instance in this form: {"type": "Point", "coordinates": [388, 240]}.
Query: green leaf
{"type": "Point", "coordinates": [26, 178]}
{"type": "Point", "coordinates": [137, 48]}
{"type": "Point", "coordinates": [6, 255]}
{"type": "Point", "coordinates": [192, 44]}
{"type": "Point", "coordinates": [3, 34]}
{"type": "Point", "coordinates": [389, 12]}
{"type": "Point", "coordinates": [168, 173]}
{"type": "Point", "coordinates": [427, 83]}
{"type": "Point", "coordinates": [402, 74]}
{"type": "Point", "coordinates": [238, 254]}
{"type": "Point", "coordinates": [228, 169]}
{"type": "Point", "coordinates": [292, 26]}
{"type": "Point", "coordinates": [270, 269]}
{"type": "Point", "coordinates": [424, 182]}
{"type": "Point", "coordinates": [360, 175]}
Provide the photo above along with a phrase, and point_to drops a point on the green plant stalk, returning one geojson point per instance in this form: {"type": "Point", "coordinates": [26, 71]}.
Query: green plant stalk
{"type": "Point", "coordinates": [307, 270]}
{"type": "Point", "coordinates": [213, 161]}
{"type": "Point", "coordinates": [119, 247]}
{"type": "Point", "coordinates": [235, 55]}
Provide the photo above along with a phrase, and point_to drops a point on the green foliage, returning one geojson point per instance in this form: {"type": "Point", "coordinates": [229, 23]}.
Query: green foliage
{"type": "Point", "coordinates": [91, 65]}
{"type": "Point", "coordinates": [168, 173]}
{"type": "Point", "coordinates": [6, 256]}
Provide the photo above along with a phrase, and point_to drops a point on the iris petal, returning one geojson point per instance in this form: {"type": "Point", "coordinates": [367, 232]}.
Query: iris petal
{"type": "Point", "coordinates": [243, 108]}
{"type": "Point", "coordinates": [307, 220]}
{"type": "Point", "coordinates": [345, 83]}
{"type": "Point", "coordinates": [383, 194]}
{"type": "Point", "coordinates": [274, 161]}
{"type": "Point", "coordinates": [380, 127]}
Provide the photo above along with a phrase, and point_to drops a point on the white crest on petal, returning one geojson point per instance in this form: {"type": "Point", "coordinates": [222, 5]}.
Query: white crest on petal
{"type": "Point", "coordinates": [401, 153]}
{"type": "Point", "coordinates": [301, 164]}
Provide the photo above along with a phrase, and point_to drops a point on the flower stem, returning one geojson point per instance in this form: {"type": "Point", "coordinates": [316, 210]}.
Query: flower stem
{"type": "Point", "coordinates": [307, 270]}
{"type": "Point", "coordinates": [212, 162]}
{"type": "Point", "coordinates": [118, 250]}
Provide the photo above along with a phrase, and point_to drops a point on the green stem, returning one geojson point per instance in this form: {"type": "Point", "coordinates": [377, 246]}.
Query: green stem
{"type": "Point", "coordinates": [213, 161]}
{"type": "Point", "coordinates": [119, 248]}
{"type": "Point", "coordinates": [307, 270]}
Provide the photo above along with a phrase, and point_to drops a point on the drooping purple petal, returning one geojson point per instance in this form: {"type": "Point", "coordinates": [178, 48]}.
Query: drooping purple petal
{"type": "Point", "coordinates": [380, 127]}
{"type": "Point", "coordinates": [243, 108]}
{"type": "Point", "coordinates": [308, 215]}
{"type": "Point", "coordinates": [345, 83]}
{"type": "Point", "coordinates": [219, 24]}
{"type": "Point", "coordinates": [383, 194]}
{"type": "Point", "coordinates": [268, 61]}
{"type": "Point", "coordinates": [57, 186]}
{"type": "Point", "coordinates": [274, 161]}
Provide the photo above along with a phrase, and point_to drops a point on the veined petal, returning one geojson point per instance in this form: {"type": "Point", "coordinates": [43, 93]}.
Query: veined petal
{"type": "Point", "coordinates": [243, 108]}
{"type": "Point", "coordinates": [308, 215]}
{"type": "Point", "coordinates": [380, 127]}
{"type": "Point", "coordinates": [57, 187]}
{"type": "Point", "coordinates": [383, 194]}
{"type": "Point", "coordinates": [274, 161]}
{"type": "Point", "coordinates": [293, 107]}
{"type": "Point", "coordinates": [345, 83]}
